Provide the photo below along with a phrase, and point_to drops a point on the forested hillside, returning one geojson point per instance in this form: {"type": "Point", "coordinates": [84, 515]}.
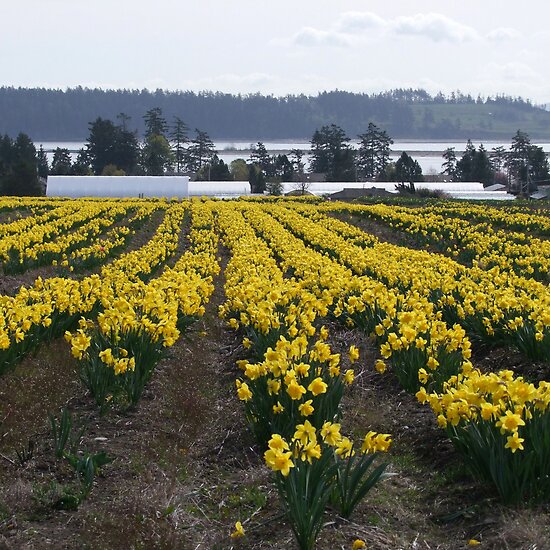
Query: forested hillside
{"type": "Point", "coordinates": [64, 115]}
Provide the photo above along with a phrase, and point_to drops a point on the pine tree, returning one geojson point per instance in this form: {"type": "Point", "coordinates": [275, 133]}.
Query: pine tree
{"type": "Point", "coordinates": [18, 167]}
{"type": "Point", "coordinates": [155, 123]}
{"type": "Point", "coordinates": [179, 138]}
{"type": "Point", "coordinates": [527, 163]}
{"type": "Point", "coordinates": [374, 152]}
{"type": "Point", "coordinates": [200, 151]}
{"type": "Point", "coordinates": [482, 170]}
{"type": "Point", "coordinates": [61, 163]}
{"type": "Point", "coordinates": [465, 166]}
{"type": "Point", "coordinates": [42, 163]}
{"type": "Point", "coordinates": [260, 156]}
{"type": "Point", "coordinates": [449, 166]}
{"type": "Point", "coordinates": [332, 155]}
{"type": "Point", "coordinates": [407, 169]}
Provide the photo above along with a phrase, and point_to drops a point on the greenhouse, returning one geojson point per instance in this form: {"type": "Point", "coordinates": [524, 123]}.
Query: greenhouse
{"type": "Point", "coordinates": [118, 186]}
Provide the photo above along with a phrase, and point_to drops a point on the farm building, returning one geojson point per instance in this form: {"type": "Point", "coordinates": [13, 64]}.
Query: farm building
{"type": "Point", "coordinates": [142, 186]}
{"type": "Point", "coordinates": [118, 186]}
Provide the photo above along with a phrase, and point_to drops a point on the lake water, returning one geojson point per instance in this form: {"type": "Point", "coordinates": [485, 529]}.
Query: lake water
{"type": "Point", "coordinates": [427, 153]}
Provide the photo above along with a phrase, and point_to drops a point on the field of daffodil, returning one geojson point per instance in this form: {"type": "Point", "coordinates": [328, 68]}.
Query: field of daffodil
{"type": "Point", "coordinates": [471, 278]}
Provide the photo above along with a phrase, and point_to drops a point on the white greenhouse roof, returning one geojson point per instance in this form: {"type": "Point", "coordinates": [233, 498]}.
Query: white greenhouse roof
{"type": "Point", "coordinates": [219, 188]}
{"type": "Point", "coordinates": [118, 186]}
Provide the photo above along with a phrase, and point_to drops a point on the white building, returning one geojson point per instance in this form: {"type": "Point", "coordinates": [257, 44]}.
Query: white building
{"type": "Point", "coordinates": [118, 186]}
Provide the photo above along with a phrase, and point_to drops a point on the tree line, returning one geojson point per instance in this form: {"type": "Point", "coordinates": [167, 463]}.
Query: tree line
{"type": "Point", "coordinates": [111, 148]}
{"type": "Point", "coordinates": [523, 167]}
{"type": "Point", "coordinates": [333, 155]}
{"type": "Point", "coordinates": [165, 148]}
{"type": "Point", "coordinates": [63, 115]}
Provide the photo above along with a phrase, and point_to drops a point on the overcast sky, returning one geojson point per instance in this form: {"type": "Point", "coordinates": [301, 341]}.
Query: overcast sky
{"type": "Point", "coordinates": [279, 47]}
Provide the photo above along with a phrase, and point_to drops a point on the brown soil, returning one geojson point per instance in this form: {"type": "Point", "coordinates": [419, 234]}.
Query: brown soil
{"type": "Point", "coordinates": [380, 230]}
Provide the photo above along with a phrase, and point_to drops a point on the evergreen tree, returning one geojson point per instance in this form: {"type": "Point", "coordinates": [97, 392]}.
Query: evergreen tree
{"type": "Point", "coordinates": [18, 167]}
{"type": "Point", "coordinates": [215, 170]}
{"type": "Point", "coordinates": [100, 144]}
{"type": "Point", "coordinates": [155, 123]}
{"type": "Point", "coordinates": [179, 138]}
{"type": "Point", "coordinates": [374, 152]}
{"type": "Point", "coordinates": [482, 170]}
{"type": "Point", "coordinates": [260, 156]}
{"type": "Point", "coordinates": [407, 169]}
{"type": "Point", "coordinates": [81, 166]}
{"type": "Point", "coordinates": [332, 155]}
{"type": "Point", "coordinates": [538, 165]}
{"type": "Point", "coordinates": [126, 151]}
{"type": "Point", "coordinates": [126, 147]}
{"type": "Point", "coordinates": [42, 163]}
{"type": "Point", "coordinates": [465, 166]}
{"type": "Point", "coordinates": [110, 144]}
{"type": "Point", "coordinates": [298, 165]}
{"type": "Point", "coordinates": [156, 156]}
{"type": "Point", "coordinates": [475, 165]}
{"type": "Point", "coordinates": [200, 151]}
{"type": "Point", "coordinates": [25, 170]}
{"type": "Point", "coordinates": [6, 155]}
{"type": "Point", "coordinates": [256, 179]}
{"type": "Point", "coordinates": [61, 163]}
{"type": "Point", "coordinates": [527, 163]}
{"type": "Point", "coordinates": [282, 168]}
{"type": "Point", "coordinates": [449, 166]}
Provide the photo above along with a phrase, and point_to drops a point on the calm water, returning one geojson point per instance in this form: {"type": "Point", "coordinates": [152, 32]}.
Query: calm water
{"type": "Point", "coordinates": [428, 153]}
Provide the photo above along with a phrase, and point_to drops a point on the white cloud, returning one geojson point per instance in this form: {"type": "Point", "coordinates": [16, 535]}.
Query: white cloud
{"type": "Point", "coordinates": [503, 33]}
{"type": "Point", "coordinates": [355, 22]}
{"type": "Point", "coordinates": [434, 26]}
{"type": "Point", "coordinates": [512, 71]}
{"type": "Point", "coordinates": [309, 36]}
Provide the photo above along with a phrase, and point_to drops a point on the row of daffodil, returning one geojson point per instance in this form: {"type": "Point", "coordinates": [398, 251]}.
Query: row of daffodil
{"type": "Point", "coordinates": [16, 248]}
{"type": "Point", "coordinates": [470, 243]}
{"type": "Point", "coordinates": [54, 251]}
{"type": "Point", "coordinates": [501, 425]}
{"type": "Point", "coordinates": [107, 245]}
{"type": "Point", "coordinates": [119, 351]}
{"type": "Point", "coordinates": [516, 307]}
{"type": "Point", "coordinates": [258, 296]}
{"type": "Point", "coordinates": [17, 210]}
{"type": "Point", "coordinates": [486, 304]}
{"type": "Point", "coordinates": [292, 393]}
{"type": "Point", "coordinates": [400, 342]}
{"type": "Point", "coordinates": [407, 342]}
{"type": "Point", "coordinates": [489, 417]}
{"type": "Point", "coordinates": [406, 325]}
{"type": "Point", "coordinates": [490, 304]}
{"type": "Point", "coordinates": [516, 218]}
{"type": "Point", "coordinates": [514, 236]}
{"type": "Point", "coordinates": [51, 306]}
